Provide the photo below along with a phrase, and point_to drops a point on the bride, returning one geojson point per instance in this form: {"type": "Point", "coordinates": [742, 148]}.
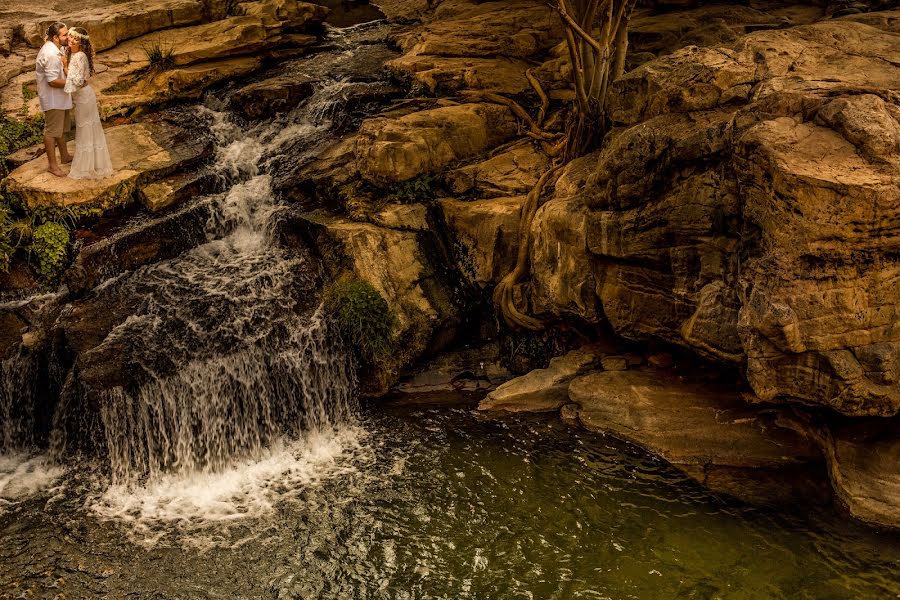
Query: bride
{"type": "Point", "coordinates": [91, 158]}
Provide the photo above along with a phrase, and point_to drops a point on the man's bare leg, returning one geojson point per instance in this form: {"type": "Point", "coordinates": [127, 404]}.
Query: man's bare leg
{"type": "Point", "coordinates": [50, 147]}
{"type": "Point", "coordinates": [64, 156]}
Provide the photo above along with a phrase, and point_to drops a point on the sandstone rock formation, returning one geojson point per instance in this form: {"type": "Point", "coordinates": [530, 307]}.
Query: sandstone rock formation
{"type": "Point", "coordinates": [141, 154]}
{"type": "Point", "coordinates": [396, 149]}
{"type": "Point", "coordinates": [397, 264]}
{"type": "Point", "coordinates": [747, 209]}
{"type": "Point", "coordinates": [482, 46]}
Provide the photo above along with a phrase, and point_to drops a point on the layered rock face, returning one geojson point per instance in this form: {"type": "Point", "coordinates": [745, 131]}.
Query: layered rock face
{"type": "Point", "coordinates": [747, 207]}
{"type": "Point", "coordinates": [206, 45]}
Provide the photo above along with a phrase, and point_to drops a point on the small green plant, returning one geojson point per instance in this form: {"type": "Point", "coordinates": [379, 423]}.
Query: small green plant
{"type": "Point", "coordinates": [7, 248]}
{"type": "Point", "coordinates": [15, 134]}
{"type": "Point", "coordinates": [28, 92]}
{"type": "Point", "coordinates": [160, 56]}
{"type": "Point", "coordinates": [363, 317]}
{"type": "Point", "coordinates": [417, 189]}
{"type": "Point", "coordinates": [49, 249]}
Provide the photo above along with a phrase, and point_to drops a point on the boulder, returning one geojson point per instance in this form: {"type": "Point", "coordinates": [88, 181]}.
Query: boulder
{"type": "Point", "coordinates": [562, 270]}
{"type": "Point", "coordinates": [272, 95]}
{"type": "Point", "coordinates": [864, 464]}
{"type": "Point", "coordinates": [409, 217]}
{"type": "Point", "coordinates": [141, 153]}
{"type": "Point", "coordinates": [396, 263]}
{"type": "Point", "coordinates": [760, 230]}
{"type": "Point", "coordinates": [173, 190]}
{"type": "Point", "coordinates": [513, 29]}
{"type": "Point", "coordinates": [392, 149]}
{"type": "Point", "coordinates": [484, 234]}
{"type": "Point", "coordinates": [543, 390]}
{"type": "Point", "coordinates": [821, 58]}
{"type": "Point", "coordinates": [512, 172]}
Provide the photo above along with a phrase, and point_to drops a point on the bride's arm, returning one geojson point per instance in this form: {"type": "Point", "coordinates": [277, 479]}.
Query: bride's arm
{"type": "Point", "coordinates": [77, 75]}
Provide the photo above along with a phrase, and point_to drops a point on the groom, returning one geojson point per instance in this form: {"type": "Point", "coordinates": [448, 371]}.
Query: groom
{"type": "Point", "coordinates": [55, 102]}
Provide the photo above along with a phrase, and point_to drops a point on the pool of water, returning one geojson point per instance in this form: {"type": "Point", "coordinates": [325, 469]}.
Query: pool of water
{"type": "Point", "coordinates": [424, 503]}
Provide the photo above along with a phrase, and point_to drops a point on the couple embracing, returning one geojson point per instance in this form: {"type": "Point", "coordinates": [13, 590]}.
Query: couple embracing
{"type": "Point", "coordinates": [64, 66]}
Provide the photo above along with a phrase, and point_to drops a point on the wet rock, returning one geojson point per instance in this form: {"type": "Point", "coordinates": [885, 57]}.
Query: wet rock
{"type": "Point", "coordinates": [140, 153]}
{"type": "Point", "coordinates": [512, 172]}
{"type": "Point", "coordinates": [543, 390]}
{"type": "Point", "coordinates": [864, 463]}
{"type": "Point", "coordinates": [145, 242]}
{"type": "Point", "coordinates": [456, 376]}
{"type": "Point", "coordinates": [662, 360]}
{"type": "Point", "coordinates": [396, 149]}
{"type": "Point", "coordinates": [485, 236]}
{"type": "Point", "coordinates": [273, 95]}
{"type": "Point", "coordinates": [173, 190]}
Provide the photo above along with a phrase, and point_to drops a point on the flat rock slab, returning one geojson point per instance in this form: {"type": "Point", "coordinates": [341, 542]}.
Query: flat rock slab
{"type": "Point", "coordinates": [140, 153]}
{"type": "Point", "coordinates": [543, 390]}
{"type": "Point", "coordinates": [687, 424]}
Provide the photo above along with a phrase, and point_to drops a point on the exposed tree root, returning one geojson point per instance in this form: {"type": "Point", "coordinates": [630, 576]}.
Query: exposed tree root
{"type": "Point", "coordinates": [503, 293]}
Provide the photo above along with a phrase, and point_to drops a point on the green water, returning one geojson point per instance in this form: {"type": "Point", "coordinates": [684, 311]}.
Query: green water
{"type": "Point", "coordinates": [432, 503]}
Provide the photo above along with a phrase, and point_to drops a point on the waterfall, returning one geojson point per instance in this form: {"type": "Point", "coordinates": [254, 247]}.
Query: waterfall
{"type": "Point", "coordinates": [254, 358]}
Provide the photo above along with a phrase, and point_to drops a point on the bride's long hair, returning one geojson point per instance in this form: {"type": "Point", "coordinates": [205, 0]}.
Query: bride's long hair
{"type": "Point", "coordinates": [86, 46]}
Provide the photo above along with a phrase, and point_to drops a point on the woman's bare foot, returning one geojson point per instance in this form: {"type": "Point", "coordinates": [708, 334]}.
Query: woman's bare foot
{"type": "Point", "coordinates": [57, 171]}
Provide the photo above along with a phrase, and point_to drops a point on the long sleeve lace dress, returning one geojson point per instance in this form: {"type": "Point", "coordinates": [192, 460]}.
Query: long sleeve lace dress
{"type": "Point", "coordinates": [91, 159]}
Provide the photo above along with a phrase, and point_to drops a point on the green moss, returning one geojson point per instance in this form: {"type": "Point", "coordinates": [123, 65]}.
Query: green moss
{"type": "Point", "coordinates": [363, 317]}
{"type": "Point", "coordinates": [50, 250]}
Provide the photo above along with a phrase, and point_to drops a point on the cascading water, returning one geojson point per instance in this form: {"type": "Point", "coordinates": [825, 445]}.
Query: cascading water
{"type": "Point", "coordinates": [253, 359]}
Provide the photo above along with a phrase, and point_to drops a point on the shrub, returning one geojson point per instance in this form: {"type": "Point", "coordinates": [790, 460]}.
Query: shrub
{"type": "Point", "coordinates": [161, 57]}
{"type": "Point", "coordinates": [49, 249]}
{"type": "Point", "coordinates": [417, 189]}
{"type": "Point", "coordinates": [363, 317]}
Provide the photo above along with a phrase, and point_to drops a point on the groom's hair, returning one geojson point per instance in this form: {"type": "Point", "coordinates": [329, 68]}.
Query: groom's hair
{"type": "Point", "coordinates": [53, 30]}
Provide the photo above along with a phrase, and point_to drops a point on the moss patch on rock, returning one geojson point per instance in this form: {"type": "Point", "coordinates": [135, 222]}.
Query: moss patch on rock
{"type": "Point", "coordinates": [363, 317]}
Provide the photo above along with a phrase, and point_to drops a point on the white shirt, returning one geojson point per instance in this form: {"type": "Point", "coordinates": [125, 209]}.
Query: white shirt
{"type": "Point", "coordinates": [49, 68]}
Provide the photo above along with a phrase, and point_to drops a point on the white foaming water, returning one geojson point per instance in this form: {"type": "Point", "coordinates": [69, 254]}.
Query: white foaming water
{"type": "Point", "coordinates": [260, 405]}
{"type": "Point", "coordinates": [199, 508]}
{"type": "Point", "coordinates": [23, 475]}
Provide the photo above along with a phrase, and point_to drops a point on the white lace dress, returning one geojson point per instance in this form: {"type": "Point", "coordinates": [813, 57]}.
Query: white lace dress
{"type": "Point", "coordinates": [91, 159]}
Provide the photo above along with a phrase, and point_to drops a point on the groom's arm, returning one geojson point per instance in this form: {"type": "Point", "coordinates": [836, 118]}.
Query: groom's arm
{"type": "Point", "coordinates": [56, 76]}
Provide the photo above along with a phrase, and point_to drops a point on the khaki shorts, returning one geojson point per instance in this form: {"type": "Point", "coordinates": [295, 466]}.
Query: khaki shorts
{"type": "Point", "coordinates": [56, 123]}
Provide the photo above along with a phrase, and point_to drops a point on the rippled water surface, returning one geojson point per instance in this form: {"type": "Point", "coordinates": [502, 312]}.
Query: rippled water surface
{"type": "Point", "coordinates": [424, 503]}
